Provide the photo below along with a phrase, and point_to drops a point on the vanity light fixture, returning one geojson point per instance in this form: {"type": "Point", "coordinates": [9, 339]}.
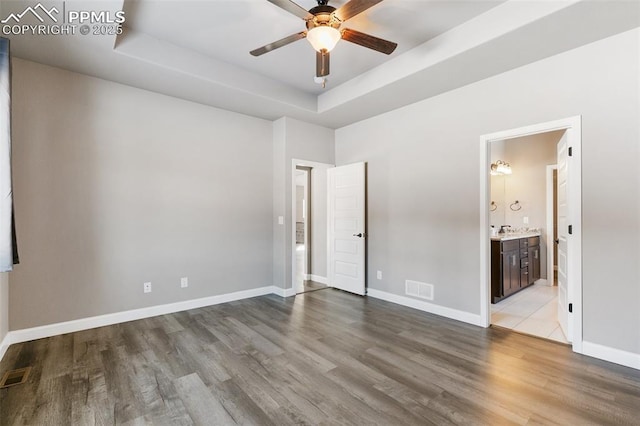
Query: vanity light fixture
{"type": "Point", "coordinates": [500, 168]}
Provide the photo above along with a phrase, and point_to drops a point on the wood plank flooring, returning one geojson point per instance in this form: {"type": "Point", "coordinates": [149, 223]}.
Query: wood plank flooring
{"type": "Point", "coordinates": [324, 357]}
{"type": "Point", "coordinates": [309, 285]}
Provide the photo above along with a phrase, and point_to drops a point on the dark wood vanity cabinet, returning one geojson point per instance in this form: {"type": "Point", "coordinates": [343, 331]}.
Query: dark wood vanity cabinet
{"type": "Point", "coordinates": [510, 259]}
{"type": "Point", "coordinates": [515, 264]}
{"type": "Point", "coordinates": [534, 265]}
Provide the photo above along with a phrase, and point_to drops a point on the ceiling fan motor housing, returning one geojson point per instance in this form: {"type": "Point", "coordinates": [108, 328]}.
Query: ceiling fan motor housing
{"type": "Point", "coordinates": [322, 15]}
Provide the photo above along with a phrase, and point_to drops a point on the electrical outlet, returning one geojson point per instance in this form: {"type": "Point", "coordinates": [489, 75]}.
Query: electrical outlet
{"type": "Point", "coordinates": [280, 220]}
{"type": "Point", "coordinates": [525, 220]}
{"type": "Point", "coordinates": [379, 275]}
{"type": "Point", "coordinates": [184, 282]}
{"type": "Point", "coordinates": [147, 287]}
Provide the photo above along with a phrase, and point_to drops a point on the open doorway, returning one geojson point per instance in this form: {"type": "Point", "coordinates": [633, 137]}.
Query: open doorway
{"type": "Point", "coordinates": [303, 236]}
{"type": "Point", "coordinates": [517, 289]}
{"type": "Point", "coordinates": [524, 296]}
{"type": "Point", "coordinates": [309, 238]}
{"type": "Point", "coordinates": [332, 210]}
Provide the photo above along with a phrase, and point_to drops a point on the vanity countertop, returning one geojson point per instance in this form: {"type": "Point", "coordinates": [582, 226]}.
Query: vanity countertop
{"type": "Point", "coordinates": [515, 236]}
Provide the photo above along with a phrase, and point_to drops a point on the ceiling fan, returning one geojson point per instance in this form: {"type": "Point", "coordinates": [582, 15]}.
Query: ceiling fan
{"type": "Point", "coordinates": [323, 30]}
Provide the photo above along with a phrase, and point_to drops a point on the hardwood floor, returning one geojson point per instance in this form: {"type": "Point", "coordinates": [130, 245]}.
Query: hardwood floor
{"type": "Point", "coordinates": [324, 357]}
{"type": "Point", "coordinates": [309, 285]}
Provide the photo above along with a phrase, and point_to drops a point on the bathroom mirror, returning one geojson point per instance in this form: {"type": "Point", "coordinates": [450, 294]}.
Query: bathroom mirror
{"type": "Point", "coordinates": [497, 214]}
{"type": "Point", "coordinates": [498, 186]}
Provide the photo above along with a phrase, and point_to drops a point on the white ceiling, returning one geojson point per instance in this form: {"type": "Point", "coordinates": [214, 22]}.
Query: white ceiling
{"type": "Point", "coordinates": [228, 29]}
{"type": "Point", "coordinates": [198, 50]}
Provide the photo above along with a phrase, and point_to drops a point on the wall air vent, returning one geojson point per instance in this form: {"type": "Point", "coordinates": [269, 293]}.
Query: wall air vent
{"type": "Point", "coordinates": [15, 377]}
{"type": "Point", "coordinates": [418, 289]}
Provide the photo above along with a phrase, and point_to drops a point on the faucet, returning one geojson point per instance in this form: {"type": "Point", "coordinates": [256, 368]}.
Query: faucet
{"type": "Point", "coordinates": [503, 229]}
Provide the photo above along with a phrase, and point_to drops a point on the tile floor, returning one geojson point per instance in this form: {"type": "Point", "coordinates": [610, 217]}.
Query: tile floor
{"type": "Point", "coordinates": [533, 311]}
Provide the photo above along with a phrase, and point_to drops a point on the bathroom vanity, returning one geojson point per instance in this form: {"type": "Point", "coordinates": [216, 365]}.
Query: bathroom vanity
{"type": "Point", "coordinates": [515, 263]}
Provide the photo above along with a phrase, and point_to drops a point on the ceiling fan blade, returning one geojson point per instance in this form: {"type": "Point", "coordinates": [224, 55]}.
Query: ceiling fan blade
{"type": "Point", "coordinates": [276, 44]}
{"type": "Point", "coordinates": [292, 7]}
{"type": "Point", "coordinates": [366, 40]}
{"type": "Point", "coordinates": [354, 7]}
{"type": "Point", "coordinates": [322, 63]}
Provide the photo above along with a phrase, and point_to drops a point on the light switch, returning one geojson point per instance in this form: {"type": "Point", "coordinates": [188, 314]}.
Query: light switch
{"type": "Point", "coordinates": [525, 220]}
{"type": "Point", "coordinates": [280, 220]}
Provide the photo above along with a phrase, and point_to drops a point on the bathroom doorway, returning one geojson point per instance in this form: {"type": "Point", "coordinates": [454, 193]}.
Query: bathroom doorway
{"type": "Point", "coordinates": [309, 237]}
{"type": "Point", "coordinates": [303, 231]}
{"type": "Point", "coordinates": [518, 290]}
{"type": "Point", "coordinates": [519, 206]}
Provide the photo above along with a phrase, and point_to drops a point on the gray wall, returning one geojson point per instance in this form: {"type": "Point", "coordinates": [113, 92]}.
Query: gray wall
{"type": "Point", "coordinates": [529, 157]}
{"type": "Point", "coordinates": [279, 209]}
{"type": "Point", "coordinates": [497, 186]}
{"type": "Point", "coordinates": [319, 221]}
{"type": "Point", "coordinates": [292, 139]}
{"type": "Point", "coordinates": [115, 186]}
{"type": "Point", "coordinates": [424, 168]}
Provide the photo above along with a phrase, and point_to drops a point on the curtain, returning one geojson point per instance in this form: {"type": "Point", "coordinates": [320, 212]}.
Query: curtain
{"type": "Point", "coordinates": [8, 249]}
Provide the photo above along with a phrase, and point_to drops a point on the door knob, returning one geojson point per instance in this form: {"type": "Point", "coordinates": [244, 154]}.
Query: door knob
{"type": "Point", "coordinates": [556, 241]}
{"type": "Point", "coordinates": [360, 235]}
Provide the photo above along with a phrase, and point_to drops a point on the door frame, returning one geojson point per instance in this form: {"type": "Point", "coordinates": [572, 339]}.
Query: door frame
{"type": "Point", "coordinates": [551, 219]}
{"type": "Point", "coordinates": [292, 190]}
{"type": "Point", "coordinates": [573, 126]}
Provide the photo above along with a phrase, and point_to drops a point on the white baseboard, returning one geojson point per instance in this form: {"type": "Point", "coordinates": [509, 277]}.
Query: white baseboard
{"type": "Point", "coordinates": [443, 311]}
{"type": "Point", "coordinates": [543, 281]}
{"type": "Point", "coordinates": [284, 292]}
{"type": "Point", "coordinates": [4, 345]}
{"type": "Point", "coordinates": [628, 359]}
{"type": "Point", "coordinates": [25, 335]}
{"type": "Point", "coordinates": [617, 356]}
{"type": "Point", "coordinates": [319, 279]}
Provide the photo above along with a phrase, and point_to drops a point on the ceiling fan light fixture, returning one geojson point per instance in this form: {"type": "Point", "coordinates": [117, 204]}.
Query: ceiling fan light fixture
{"type": "Point", "coordinates": [323, 37]}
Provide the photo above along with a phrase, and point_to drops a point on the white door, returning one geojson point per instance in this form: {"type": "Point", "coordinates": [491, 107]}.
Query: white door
{"type": "Point", "coordinates": [346, 233]}
{"type": "Point", "coordinates": [563, 224]}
